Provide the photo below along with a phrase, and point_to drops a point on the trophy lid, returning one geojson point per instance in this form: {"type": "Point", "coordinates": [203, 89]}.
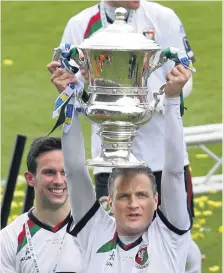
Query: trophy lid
{"type": "Point", "coordinates": [119, 36]}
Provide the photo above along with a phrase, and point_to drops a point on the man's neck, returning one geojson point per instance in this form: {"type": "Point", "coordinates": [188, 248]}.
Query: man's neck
{"type": "Point", "coordinates": [51, 217]}
{"type": "Point", "coordinates": [110, 7]}
{"type": "Point", "coordinates": [113, 4]}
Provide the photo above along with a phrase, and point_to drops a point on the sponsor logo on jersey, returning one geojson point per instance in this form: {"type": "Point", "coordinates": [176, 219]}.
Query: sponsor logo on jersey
{"type": "Point", "coordinates": [111, 259]}
{"type": "Point", "coordinates": [142, 257]}
{"type": "Point", "coordinates": [26, 256]}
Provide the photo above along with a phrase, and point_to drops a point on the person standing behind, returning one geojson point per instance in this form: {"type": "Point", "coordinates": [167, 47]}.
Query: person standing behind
{"type": "Point", "coordinates": [151, 19]}
{"type": "Point", "coordinates": [37, 240]}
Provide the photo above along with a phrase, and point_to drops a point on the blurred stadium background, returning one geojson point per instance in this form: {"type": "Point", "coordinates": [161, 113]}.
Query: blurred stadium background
{"type": "Point", "coordinates": [30, 31]}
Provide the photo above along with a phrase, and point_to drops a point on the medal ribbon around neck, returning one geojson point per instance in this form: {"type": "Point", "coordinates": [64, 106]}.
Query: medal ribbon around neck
{"type": "Point", "coordinates": [33, 252]}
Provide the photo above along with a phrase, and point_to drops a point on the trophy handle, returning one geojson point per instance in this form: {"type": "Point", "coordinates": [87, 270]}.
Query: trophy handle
{"type": "Point", "coordinates": [171, 53]}
{"type": "Point", "coordinates": [176, 55]}
{"type": "Point", "coordinates": [65, 53]}
{"type": "Point", "coordinates": [157, 95]}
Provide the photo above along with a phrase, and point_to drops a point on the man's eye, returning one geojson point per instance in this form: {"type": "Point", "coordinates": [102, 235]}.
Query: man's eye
{"type": "Point", "coordinates": [63, 173]}
{"type": "Point", "coordinates": [49, 172]}
{"type": "Point", "coordinates": [123, 196]}
{"type": "Point", "coordinates": [142, 195]}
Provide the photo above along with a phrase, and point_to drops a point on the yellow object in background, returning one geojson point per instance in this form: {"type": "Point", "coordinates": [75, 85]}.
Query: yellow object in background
{"type": "Point", "coordinates": [201, 156]}
{"type": "Point", "coordinates": [8, 62]}
{"type": "Point", "coordinates": [214, 268]}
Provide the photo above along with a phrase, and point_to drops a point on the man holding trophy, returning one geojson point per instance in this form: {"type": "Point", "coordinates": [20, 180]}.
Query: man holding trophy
{"type": "Point", "coordinates": [130, 241]}
{"type": "Point", "coordinates": [152, 20]}
{"type": "Point", "coordinates": [118, 102]}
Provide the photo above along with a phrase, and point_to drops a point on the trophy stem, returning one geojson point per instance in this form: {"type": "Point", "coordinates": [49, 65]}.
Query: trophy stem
{"type": "Point", "coordinates": [116, 147]}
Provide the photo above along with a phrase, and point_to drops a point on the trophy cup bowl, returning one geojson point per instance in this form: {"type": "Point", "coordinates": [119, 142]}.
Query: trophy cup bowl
{"type": "Point", "coordinates": [119, 62]}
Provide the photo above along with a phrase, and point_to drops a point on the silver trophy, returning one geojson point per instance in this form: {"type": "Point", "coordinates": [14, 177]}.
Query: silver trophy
{"type": "Point", "coordinates": [119, 62]}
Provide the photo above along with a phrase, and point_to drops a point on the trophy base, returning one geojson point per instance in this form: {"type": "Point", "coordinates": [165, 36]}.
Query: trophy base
{"type": "Point", "coordinates": [132, 162]}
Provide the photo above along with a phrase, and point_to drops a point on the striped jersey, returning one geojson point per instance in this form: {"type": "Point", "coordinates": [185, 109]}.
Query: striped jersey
{"type": "Point", "coordinates": [162, 25]}
{"type": "Point", "coordinates": [17, 257]}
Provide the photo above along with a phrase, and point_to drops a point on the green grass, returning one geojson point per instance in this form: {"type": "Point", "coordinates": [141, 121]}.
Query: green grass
{"type": "Point", "coordinates": [209, 240]}
{"type": "Point", "coordinates": [30, 31]}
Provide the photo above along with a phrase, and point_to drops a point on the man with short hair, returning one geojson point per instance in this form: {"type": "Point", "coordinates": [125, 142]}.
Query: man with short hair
{"type": "Point", "coordinates": [161, 24]}
{"type": "Point", "coordinates": [37, 241]}
{"type": "Point", "coordinates": [130, 241]}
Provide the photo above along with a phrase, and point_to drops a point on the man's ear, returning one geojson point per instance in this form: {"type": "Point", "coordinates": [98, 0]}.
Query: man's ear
{"type": "Point", "coordinates": [156, 201]}
{"type": "Point", "coordinates": [111, 204]}
{"type": "Point", "coordinates": [29, 179]}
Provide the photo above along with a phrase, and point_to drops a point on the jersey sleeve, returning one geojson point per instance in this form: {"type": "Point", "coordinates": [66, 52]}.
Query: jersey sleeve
{"type": "Point", "coordinates": [175, 34]}
{"type": "Point", "coordinates": [86, 210]}
{"type": "Point", "coordinates": [176, 242]}
{"type": "Point", "coordinates": [8, 253]}
{"type": "Point", "coordinates": [173, 194]}
{"type": "Point", "coordinates": [93, 224]}
{"type": "Point", "coordinates": [73, 33]}
{"type": "Point", "coordinates": [173, 218]}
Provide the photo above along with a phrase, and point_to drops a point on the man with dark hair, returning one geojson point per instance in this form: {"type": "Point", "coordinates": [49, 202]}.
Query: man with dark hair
{"type": "Point", "coordinates": [38, 146]}
{"type": "Point", "coordinates": [130, 241]}
{"type": "Point", "coordinates": [37, 241]}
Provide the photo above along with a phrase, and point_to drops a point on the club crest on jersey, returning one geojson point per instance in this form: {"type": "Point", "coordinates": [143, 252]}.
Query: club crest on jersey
{"type": "Point", "coordinates": [149, 34]}
{"type": "Point", "coordinates": [142, 257]}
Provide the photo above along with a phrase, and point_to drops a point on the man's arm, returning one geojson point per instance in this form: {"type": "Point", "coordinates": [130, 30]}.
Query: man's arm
{"type": "Point", "coordinates": [173, 194]}
{"type": "Point", "coordinates": [86, 211]}
{"type": "Point", "coordinates": [81, 191]}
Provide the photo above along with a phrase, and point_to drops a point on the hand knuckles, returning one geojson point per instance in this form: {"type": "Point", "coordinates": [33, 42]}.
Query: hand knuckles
{"type": "Point", "coordinates": [52, 79]}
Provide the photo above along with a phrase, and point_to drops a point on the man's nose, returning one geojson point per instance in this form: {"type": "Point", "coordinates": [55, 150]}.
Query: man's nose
{"type": "Point", "coordinates": [59, 178]}
{"type": "Point", "coordinates": [133, 201]}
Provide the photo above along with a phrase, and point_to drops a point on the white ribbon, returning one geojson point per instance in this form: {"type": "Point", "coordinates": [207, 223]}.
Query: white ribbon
{"type": "Point", "coordinates": [33, 252]}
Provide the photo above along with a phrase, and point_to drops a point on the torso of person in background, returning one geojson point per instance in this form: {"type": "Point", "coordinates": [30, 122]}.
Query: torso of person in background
{"type": "Point", "coordinates": [167, 31]}
{"type": "Point", "coordinates": [47, 243]}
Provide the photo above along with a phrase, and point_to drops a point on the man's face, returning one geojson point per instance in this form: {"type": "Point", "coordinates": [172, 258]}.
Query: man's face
{"type": "Point", "coordinates": [133, 204]}
{"type": "Point", "coordinates": [49, 181]}
{"type": "Point", "coordinates": [132, 4]}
